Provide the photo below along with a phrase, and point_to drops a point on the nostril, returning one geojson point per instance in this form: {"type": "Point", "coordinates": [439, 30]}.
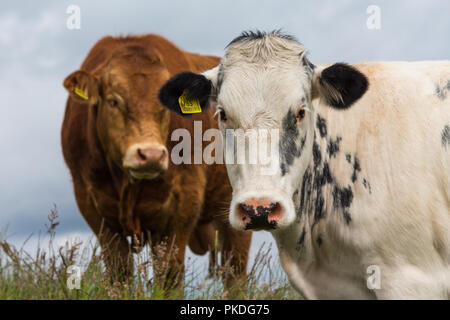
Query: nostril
{"type": "Point", "coordinates": [275, 212]}
{"type": "Point", "coordinates": [268, 210]}
{"type": "Point", "coordinates": [141, 155]}
{"type": "Point", "coordinates": [248, 209]}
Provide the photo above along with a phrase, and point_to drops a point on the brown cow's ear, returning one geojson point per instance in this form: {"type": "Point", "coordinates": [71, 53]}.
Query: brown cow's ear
{"type": "Point", "coordinates": [83, 87]}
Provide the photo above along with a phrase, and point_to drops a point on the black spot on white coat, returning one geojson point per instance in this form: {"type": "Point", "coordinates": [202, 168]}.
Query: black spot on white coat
{"type": "Point", "coordinates": [356, 169]}
{"type": "Point", "coordinates": [321, 126]}
{"type": "Point", "coordinates": [366, 185]}
{"type": "Point", "coordinates": [442, 90]}
{"type": "Point", "coordinates": [348, 157]}
{"type": "Point", "coordinates": [289, 147]}
{"type": "Point", "coordinates": [305, 193]}
{"type": "Point", "coordinates": [317, 156]}
{"type": "Point", "coordinates": [333, 146]}
{"type": "Point", "coordinates": [445, 139]}
{"type": "Point", "coordinates": [318, 175]}
{"type": "Point", "coordinates": [342, 199]}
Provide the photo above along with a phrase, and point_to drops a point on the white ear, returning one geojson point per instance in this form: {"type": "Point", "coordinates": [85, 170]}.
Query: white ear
{"type": "Point", "coordinates": [212, 75]}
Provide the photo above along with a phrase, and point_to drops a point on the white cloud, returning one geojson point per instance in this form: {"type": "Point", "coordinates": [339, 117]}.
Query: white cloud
{"type": "Point", "coordinates": [28, 40]}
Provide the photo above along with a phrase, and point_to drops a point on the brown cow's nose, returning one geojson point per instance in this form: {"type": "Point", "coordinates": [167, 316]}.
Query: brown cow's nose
{"type": "Point", "coordinates": [146, 161]}
{"type": "Point", "coordinates": [259, 213]}
{"type": "Point", "coordinates": [151, 157]}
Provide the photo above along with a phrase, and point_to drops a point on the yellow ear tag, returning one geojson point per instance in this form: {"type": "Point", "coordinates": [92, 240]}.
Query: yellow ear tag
{"type": "Point", "coordinates": [189, 106]}
{"type": "Point", "coordinates": [80, 93]}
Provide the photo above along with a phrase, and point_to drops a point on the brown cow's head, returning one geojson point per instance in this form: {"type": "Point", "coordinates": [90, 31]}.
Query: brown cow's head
{"type": "Point", "coordinates": [132, 125]}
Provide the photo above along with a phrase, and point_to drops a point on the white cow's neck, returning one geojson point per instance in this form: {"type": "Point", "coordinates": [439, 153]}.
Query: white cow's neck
{"type": "Point", "coordinates": [320, 202]}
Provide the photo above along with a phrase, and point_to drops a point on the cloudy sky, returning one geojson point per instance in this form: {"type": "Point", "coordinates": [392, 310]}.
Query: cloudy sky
{"type": "Point", "coordinates": [37, 51]}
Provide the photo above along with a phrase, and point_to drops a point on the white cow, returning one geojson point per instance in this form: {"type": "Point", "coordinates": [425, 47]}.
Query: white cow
{"type": "Point", "coordinates": [360, 203]}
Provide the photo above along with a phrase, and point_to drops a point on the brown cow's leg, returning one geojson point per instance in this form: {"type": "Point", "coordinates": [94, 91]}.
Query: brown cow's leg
{"type": "Point", "coordinates": [235, 246]}
{"type": "Point", "coordinates": [115, 248]}
{"type": "Point", "coordinates": [168, 260]}
{"type": "Point", "coordinates": [116, 254]}
{"type": "Point", "coordinates": [202, 238]}
{"type": "Point", "coordinates": [176, 273]}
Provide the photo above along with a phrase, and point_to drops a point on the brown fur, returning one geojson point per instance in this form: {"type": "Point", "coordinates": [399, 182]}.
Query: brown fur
{"type": "Point", "coordinates": [183, 205]}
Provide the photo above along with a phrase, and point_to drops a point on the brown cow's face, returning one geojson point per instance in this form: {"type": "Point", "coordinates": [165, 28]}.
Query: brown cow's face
{"type": "Point", "coordinates": [132, 126]}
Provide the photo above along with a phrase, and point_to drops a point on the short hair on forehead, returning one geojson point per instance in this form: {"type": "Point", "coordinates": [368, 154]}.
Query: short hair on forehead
{"type": "Point", "coordinates": [261, 49]}
{"type": "Point", "coordinates": [136, 55]}
{"type": "Point", "coordinates": [250, 35]}
{"type": "Point", "coordinates": [259, 46]}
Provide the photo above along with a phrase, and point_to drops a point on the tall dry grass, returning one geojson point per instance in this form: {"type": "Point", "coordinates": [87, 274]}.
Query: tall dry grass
{"type": "Point", "coordinates": [45, 274]}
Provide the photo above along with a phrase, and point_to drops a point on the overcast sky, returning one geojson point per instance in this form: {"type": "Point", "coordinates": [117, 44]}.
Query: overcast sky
{"type": "Point", "coordinates": [37, 51]}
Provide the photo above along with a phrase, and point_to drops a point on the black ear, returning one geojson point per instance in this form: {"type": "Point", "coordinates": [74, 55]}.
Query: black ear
{"type": "Point", "coordinates": [197, 85]}
{"type": "Point", "coordinates": [342, 85]}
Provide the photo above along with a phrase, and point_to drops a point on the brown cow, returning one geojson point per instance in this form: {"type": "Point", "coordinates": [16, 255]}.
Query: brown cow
{"type": "Point", "coordinates": [116, 143]}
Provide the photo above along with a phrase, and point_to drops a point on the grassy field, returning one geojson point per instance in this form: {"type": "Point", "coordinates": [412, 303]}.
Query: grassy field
{"type": "Point", "coordinates": [47, 274]}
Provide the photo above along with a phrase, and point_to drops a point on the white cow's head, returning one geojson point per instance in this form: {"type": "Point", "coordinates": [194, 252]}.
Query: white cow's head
{"type": "Point", "coordinates": [266, 81]}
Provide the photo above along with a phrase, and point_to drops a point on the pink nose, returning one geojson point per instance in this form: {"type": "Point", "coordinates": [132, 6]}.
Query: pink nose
{"type": "Point", "coordinates": [259, 213]}
{"type": "Point", "coordinates": [151, 157]}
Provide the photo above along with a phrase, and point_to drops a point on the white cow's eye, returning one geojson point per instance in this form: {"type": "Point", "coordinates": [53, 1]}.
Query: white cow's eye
{"type": "Point", "coordinates": [300, 114]}
{"type": "Point", "coordinates": [223, 116]}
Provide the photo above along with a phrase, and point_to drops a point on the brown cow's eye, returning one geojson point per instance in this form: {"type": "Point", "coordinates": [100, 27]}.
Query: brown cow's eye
{"type": "Point", "coordinates": [300, 114]}
{"type": "Point", "coordinates": [113, 103]}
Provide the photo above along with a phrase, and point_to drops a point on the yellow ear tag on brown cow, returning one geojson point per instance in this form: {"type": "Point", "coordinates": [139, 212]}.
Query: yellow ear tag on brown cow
{"type": "Point", "coordinates": [189, 106]}
{"type": "Point", "coordinates": [80, 93]}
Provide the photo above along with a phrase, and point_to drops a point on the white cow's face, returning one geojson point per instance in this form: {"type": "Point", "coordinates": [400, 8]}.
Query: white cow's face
{"type": "Point", "coordinates": [266, 94]}
{"type": "Point", "coordinates": [263, 89]}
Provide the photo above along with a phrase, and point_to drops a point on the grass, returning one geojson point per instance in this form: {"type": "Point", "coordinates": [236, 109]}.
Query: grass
{"type": "Point", "coordinates": [47, 274]}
